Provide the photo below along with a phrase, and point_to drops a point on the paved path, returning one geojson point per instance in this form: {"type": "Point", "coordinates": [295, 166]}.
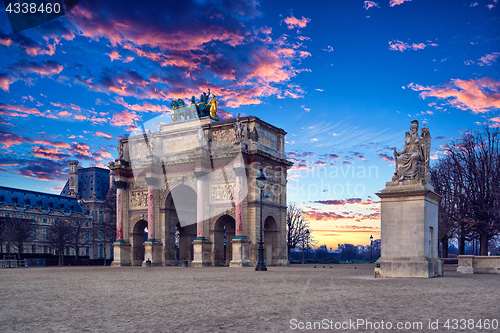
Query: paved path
{"type": "Point", "coordinates": [175, 299]}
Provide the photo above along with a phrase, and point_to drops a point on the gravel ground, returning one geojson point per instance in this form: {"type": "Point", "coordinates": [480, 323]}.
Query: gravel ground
{"type": "Point", "coordinates": [175, 299]}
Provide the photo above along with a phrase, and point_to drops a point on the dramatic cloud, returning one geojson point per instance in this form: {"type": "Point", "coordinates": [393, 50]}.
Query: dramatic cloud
{"type": "Point", "coordinates": [294, 22]}
{"type": "Point", "coordinates": [477, 95]}
{"type": "Point", "coordinates": [49, 67]}
{"type": "Point", "coordinates": [26, 44]}
{"type": "Point", "coordinates": [397, 45]}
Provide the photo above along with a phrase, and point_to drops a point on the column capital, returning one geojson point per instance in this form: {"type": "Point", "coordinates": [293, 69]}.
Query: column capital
{"type": "Point", "coordinates": [121, 184]}
{"type": "Point", "coordinates": [151, 181]}
{"type": "Point", "coordinates": [200, 174]}
{"type": "Point", "coordinates": [240, 171]}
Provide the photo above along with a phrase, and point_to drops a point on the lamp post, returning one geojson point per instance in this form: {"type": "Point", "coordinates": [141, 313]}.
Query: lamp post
{"type": "Point", "coordinates": [307, 249]}
{"type": "Point", "coordinates": [371, 249]}
{"type": "Point", "coordinates": [261, 183]}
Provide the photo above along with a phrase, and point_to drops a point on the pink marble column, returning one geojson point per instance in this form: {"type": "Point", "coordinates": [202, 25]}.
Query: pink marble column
{"type": "Point", "coordinates": [151, 214]}
{"type": "Point", "coordinates": [238, 196]}
{"type": "Point", "coordinates": [120, 185]}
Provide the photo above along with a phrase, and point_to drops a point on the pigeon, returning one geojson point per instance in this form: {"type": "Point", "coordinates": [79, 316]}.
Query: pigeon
{"type": "Point", "coordinates": [323, 266]}
{"type": "Point", "coordinates": [314, 266]}
{"type": "Point", "coordinates": [354, 267]}
{"type": "Point", "coordinates": [331, 267]}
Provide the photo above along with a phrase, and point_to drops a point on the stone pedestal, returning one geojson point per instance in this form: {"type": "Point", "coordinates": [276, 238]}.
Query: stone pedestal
{"type": "Point", "coordinates": [152, 252]}
{"type": "Point", "coordinates": [465, 264]}
{"type": "Point", "coordinates": [121, 254]}
{"type": "Point", "coordinates": [409, 231]}
{"type": "Point", "coordinates": [241, 250]}
{"type": "Point", "coordinates": [201, 253]}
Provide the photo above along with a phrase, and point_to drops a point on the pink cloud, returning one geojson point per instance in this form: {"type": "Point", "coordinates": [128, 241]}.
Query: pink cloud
{"type": "Point", "coordinates": [124, 119]}
{"type": "Point", "coordinates": [114, 55]}
{"type": "Point", "coordinates": [49, 67]}
{"type": "Point", "coordinates": [6, 80]}
{"type": "Point", "coordinates": [18, 110]}
{"type": "Point", "coordinates": [294, 22]}
{"type": "Point", "coordinates": [370, 4]}
{"type": "Point", "coordinates": [393, 3]}
{"type": "Point", "coordinates": [105, 135]}
{"type": "Point", "coordinates": [488, 59]}
{"type": "Point", "coordinates": [397, 45]}
{"type": "Point", "coordinates": [477, 95]}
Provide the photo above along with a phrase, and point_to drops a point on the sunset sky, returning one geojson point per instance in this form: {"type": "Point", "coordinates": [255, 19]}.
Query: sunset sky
{"type": "Point", "coordinates": [344, 78]}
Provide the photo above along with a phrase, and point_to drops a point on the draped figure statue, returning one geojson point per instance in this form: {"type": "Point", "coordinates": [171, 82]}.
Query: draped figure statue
{"type": "Point", "coordinates": [413, 161]}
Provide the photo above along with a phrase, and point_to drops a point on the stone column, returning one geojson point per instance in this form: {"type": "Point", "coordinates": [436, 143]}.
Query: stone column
{"type": "Point", "coordinates": [121, 248]}
{"type": "Point", "coordinates": [152, 248]}
{"type": "Point", "coordinates": [151, 208]}
{"type": "Point", "coordinates": [240, 242]}
{"type": "Point", "coordinates": [202, 247]}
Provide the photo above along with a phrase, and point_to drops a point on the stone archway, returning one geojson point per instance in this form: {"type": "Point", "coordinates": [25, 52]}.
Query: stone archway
{"type": "Point", "coordinates": [223, 233]}
{"type": "Point", "coordinates": [139, 236]}
{"type": "Point", "coordinates": [270, 241]}
{"type": "Point", "coordinates": [180, 217]}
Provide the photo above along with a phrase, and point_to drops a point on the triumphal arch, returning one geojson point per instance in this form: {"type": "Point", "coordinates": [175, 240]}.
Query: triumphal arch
{"type": "Point", "coordinates": [186, 191]}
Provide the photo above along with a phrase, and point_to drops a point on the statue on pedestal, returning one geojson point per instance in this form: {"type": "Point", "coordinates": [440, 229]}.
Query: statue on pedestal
{"type": "Point", "coordinates": [413, 161]}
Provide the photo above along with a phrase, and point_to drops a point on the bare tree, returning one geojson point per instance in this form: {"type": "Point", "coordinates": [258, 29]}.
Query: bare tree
{"type": "Point", "coordinates": [58, 236]}
{"type": "Point", "coordinates": [471, 186]}
{"type": "Point", "coordinates": [296, 226]}
{"type": "Point", "coordinates": [106, 228]}
{"type": "Point", "coordinates": [18, 231]}
{"type": "Point", "coordinates": [79, 236]}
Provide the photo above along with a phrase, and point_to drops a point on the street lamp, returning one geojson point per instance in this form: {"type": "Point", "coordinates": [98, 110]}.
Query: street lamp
{"type": "Point", "coordinates": [307, 240]}
{"type": "Point", "coordinates": [371, 249]}
{"type": "Point", "coordinates": [261, 183]}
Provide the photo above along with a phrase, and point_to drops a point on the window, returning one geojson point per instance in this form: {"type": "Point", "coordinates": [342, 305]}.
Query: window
{"type": "Point", "coordinates": [101, 251]}
{"type": "Point", "coordinates": [100, 234]}
{"type": "Point", "coordinates": [44, 233]}
{"type": "Point", "coordinates": [87, 236]}
{"type": "Point", "coordinates": [6, 214]}
{"type": "Point", "coordinates": [32, 217]}
{"type": "Point", "coordinates": [33, 233]}
{"type": "Point", "coordinates": [87, 251]}
{"type": "Point", "coordinates": [86, 224]}
{"type": "Point", "coordinates": [67, 251]}
{"type": "Point", "coordinates": [111, 251]}
{"type": "Point", "coordinates": [100, 215]}
{"type": "Point", "coordinates": [20, 215]}
{"type": "Point", "coordinates": [44, 219]}
{"type": "Point", "coordinates": [33, 248]}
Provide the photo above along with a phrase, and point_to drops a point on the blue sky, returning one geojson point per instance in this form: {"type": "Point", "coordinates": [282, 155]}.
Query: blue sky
{"type": "Point", "coordinates": [343, 78]}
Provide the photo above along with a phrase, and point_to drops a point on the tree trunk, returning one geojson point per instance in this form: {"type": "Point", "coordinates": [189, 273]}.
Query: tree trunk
{"type": "Point", "coordinates": [484, 244]}
{"type": "Point", "coordinates": [461, 245]}
{"type": "Point", "coordinates": [444, 243]}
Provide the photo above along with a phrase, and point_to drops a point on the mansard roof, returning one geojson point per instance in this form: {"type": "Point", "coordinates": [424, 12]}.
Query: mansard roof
{"type": "Point", "coordinates": [31, 200]}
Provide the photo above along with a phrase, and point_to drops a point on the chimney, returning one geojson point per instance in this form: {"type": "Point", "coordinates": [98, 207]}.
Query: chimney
{"type": "Point", "coordinates": [73, 179]}
{"type": "Point", "coordinates": [111, 178]}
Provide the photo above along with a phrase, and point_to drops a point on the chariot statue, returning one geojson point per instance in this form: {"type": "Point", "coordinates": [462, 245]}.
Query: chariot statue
{"type": "Point", "coordinates": [204, 108]}
{"type": "Point", "coordinates": [413, 161]}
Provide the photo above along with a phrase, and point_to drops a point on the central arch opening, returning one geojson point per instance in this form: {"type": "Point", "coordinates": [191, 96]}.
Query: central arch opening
{"type": "Point", "coordinates": [180, 209]}
{"type": "Point", "coordinates": [224, 231]}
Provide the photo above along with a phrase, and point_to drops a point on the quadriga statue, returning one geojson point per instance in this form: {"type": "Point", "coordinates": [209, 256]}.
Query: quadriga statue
{"type": "Point", "coordinates": [413, 161]}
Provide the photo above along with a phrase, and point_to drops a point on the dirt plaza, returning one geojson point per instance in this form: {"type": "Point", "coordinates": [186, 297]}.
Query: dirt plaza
{"type": "Point", "coordinates": [211, 299]}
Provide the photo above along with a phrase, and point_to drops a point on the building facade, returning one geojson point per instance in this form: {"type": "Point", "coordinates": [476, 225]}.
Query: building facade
{"type": "Point", "coordinates": [43, 209]}
{"type": "Point", "coordinates": [191, 186]}
{"type": "Point", "coordinates": [93, 188]}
